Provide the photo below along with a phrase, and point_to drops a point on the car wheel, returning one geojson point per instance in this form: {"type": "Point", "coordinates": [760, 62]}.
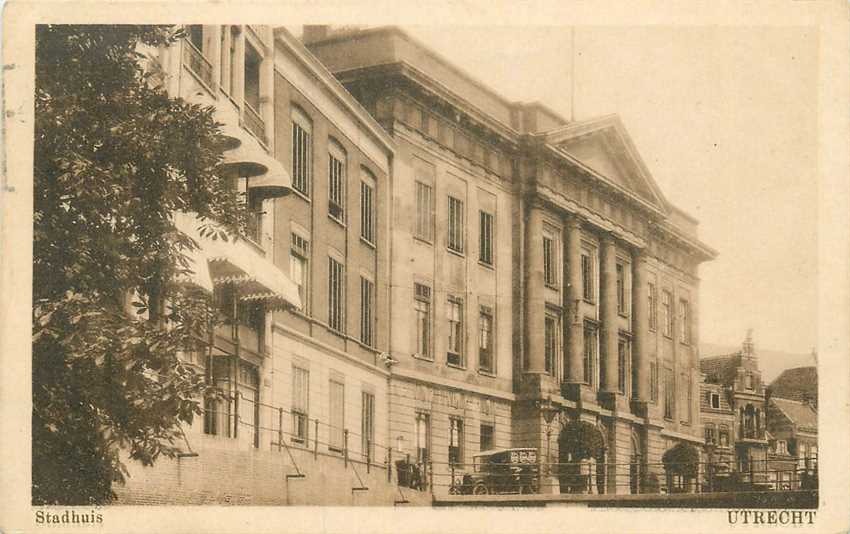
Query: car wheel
{"type": "Point", "coordinates": [480, 489]}
{"type": "Point", "coordinates": [454, 490]}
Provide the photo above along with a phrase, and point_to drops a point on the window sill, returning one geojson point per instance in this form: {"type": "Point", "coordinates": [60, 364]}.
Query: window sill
{"type": "Point", "coordinates": [368, 243]}
{"type": "Point", "coordinates": [456, 252]}
{"type": "Point", "coordinates": [423, 240]}
{"type": "Point", "coordinates": [624, 315]}
{"type": "Point", "coordinates": [490, 374]}
{"type": "Point", "coordinates": [419, 357]}
{"type": "Point", "coordinates": [456, 366]}
{"type": "Point", "coordinates": [553, 287]}
{"type": "Point", "coordinates": [336, 220]}
{"type": "Point", "coordinates": [685, 343]}
{"type": "Point", "coordinates": [486, 265]}
{"type": "Point", "coordinates": [589, 301]}
{"type": "Point", "coordinates": [668, 337]}
{"type": "Point", "coordinates": [303, 196]}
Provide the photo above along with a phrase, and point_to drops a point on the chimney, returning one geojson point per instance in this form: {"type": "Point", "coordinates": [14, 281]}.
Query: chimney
{"type": "Point", "coordinates": [312, 33]}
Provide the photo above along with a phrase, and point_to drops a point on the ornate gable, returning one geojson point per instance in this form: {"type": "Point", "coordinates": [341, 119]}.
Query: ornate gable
{"type": "Point", "coordinates": [604, 147]}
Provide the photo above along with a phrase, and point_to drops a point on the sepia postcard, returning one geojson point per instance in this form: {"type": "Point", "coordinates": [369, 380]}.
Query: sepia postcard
{"type": "Point", "coordinates": [425, 267]}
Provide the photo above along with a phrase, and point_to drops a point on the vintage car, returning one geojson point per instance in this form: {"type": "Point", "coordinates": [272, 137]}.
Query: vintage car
{"type": "Point", "coordinates": [501, 471]}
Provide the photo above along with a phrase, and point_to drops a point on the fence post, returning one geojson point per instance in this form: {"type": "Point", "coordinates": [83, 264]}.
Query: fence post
{"type": "Point", "coordinates": [279, 428]}
{"type": "Point", "coordinates": [389, 464]}
{"type": "Point", "coordinates": [236, 415]}
{"type": "Point", "coordinates": [431, 475]}
{"type": "Point", "coordinates": [315, 438]}
{"type": "Point", "coordinates": [368, 454]}
{"type": "Point", "coordinates": [345, 445]}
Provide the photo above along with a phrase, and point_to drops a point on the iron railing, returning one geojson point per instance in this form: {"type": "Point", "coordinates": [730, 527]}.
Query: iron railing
{"type": "Point", "coordinates": [197, 63]}
{"type": "Point", "coordinates": [254, 123]}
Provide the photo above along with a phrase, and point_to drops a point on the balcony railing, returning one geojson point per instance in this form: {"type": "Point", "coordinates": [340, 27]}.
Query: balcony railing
{"type": "Point", "coordinates": [197, 63]}
{"type": "Point", "coordinates": [254, 123]}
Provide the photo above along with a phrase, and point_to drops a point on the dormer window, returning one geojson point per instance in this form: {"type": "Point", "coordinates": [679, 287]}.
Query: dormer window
{"type": "Point", "coordinates": [715, 400]}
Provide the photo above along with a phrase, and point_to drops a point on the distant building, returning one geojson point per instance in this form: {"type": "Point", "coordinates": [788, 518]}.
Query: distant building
{"type": "Point", "coordinates": [748, 430]}
{"type": "Point", "coordinates": [800, 384]}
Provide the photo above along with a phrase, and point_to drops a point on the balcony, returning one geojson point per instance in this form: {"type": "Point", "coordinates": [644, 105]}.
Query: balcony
{"type": "Point", "coordinates": [196, 62]}
{"type": "Point", "coordinates": [254, 123]}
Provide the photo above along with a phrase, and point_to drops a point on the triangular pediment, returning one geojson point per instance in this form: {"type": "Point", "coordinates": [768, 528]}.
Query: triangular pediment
{"type": "Point", "coordinates": [604, 147]}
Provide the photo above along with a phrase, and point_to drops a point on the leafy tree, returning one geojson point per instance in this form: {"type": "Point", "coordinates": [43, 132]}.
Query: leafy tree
{"type": "Point", "coordinates": [115, 156]}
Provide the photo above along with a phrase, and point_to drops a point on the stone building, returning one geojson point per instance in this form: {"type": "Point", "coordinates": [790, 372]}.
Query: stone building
{"type": "Point", "coordinates": [303, 294]}
{"type": "Point", "coordinates": [537, 271]}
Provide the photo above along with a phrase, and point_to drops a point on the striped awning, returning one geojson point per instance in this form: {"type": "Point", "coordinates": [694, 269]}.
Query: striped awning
{"type": "Point", "coordinates": [236, 262]}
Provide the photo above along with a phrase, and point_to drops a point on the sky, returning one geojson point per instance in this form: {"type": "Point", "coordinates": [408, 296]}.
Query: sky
{"type": "Point", "coordinates": [725, 119]}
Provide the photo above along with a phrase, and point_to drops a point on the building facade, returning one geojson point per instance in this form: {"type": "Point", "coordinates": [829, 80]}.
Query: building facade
{"type": "Point", "coordinates": [536, 270]}
{"type": "Point", "coordinates": [752, 434]}
{"type": "Point", "coordinates": [302, 293]}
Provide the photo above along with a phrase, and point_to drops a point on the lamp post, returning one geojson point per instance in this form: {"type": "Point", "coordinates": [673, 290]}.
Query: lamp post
{"type": "Point", "coordinates": [549, 411]}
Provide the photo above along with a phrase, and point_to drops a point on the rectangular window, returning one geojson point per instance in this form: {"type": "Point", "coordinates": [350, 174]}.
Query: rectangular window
{"type": "Point", "coordinates": [367, 212]}
{"type": "Point", "coordinates": [233, 82]}
{"type": "Point", "coordinates": [550, 276]}
{"type": "Point", "coordinates": [622, 364]}
{"type": "Point", "coordinates": [336, 185]}
{"type": "Point", "coordinates": [424, 212]}
{"type": "Point", "coordinates": [300, 404]}
{"type": "Point", "coordinates": [336, 295]}
{"type": "Point", "coordinates": [455, 442]}
{"type": "Point", "coordinates": [622, 290]}
{"type": "Point", "coordinates": [550, 343]}
{"type": "Point", "coordinates": [298, 263]}
{"type": "Point", "coordinates": [485, 244]}
{"type": "Point", "coordinates": [367, 319]}
{"type": "Point", "coordinates": [252, 79]}
{"type": "Point", "coordinates": [652, 295]}
{"type": "Point", "coordinates": [302, 152]}
{"type": "Point", "coordinates": [367, 426]}
{"type": "Point", "coordinates": [454, 314]}
{"type": "Point", "coordinates": [669, 394]}
{"type": "Point", "coordinates": [336, 408]}
{"type": "Point", "coordinates": [710, 434]}
{"type": "Point", "coordinates": [487, 442]}
{"type": "Point", "coordinates": [723, 436]}
{"type": "Point", "coordinates": [456, 220]}
{"type": "Point", "coordinates": [686, 392]}
{"type": "Point", "coordinates": [587, 276]}
{"type": "Point", "coordinates": [667, 312]}
{"type": "Point", "coordinates": [423, 437]}
{"type": "Point", "coordinates": [485, 339]}
{"type": "Point", "coordinates": [589, 353]}
{"type": "Point", "coordinates": [653, 381]}
{"type": "Point", "coordinates": [684, 321]}
{"type": "Point", "coordinates": [715, 400]}
{"type": "Point", "coordinates": [422, 307]}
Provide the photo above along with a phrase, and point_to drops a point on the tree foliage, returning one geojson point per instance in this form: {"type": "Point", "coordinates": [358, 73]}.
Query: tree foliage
{"type": "Point", "coordinates": [115, 156]}
{"type": "Point", "coordinates": [581, 440]}
{"type": "Point", "coordinates": [681, 459]}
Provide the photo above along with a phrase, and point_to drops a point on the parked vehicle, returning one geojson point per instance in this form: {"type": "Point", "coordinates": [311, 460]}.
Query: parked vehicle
{"type": "Point", "coordinates": [501, 471]}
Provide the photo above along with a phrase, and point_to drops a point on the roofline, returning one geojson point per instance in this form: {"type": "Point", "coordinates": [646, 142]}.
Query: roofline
{"type": "Point", "coordinates": [283, 36]}
{"type": "Point", "coordinates": [343, 35]}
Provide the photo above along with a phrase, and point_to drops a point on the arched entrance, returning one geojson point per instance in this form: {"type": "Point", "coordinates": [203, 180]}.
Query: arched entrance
{"type": "Point", "coordinates": [634, 465]}
{"type": "Point", "coordinates": [581, 458]}
{"type": "Point", "coordinates": [681, 467]}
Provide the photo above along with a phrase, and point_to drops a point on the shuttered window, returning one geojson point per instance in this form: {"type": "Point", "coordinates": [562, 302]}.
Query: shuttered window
{"type": "Point", "coordinates": [424, 212]}
{"type": "Point", "coordinates": [336, 294]}
{"type": "Point", "coordinates": [367, 212]}
{"type": "Point", "coordinates": [302, 151]}
{"type": "Point", "coordinates": [336, 183]}
{"type": "Point", "coordinates": [485, 245]}
{"type": "Point", "coordinates": [456, 219]}
{"type": "Point", "coordinates": [300, 403]}
{"type": "Point", "coordinates": [367, 320]}
{"type": "Point", "coordinates": [336, 402]}
{"type": "Point", "coordinates": [367, 425]}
